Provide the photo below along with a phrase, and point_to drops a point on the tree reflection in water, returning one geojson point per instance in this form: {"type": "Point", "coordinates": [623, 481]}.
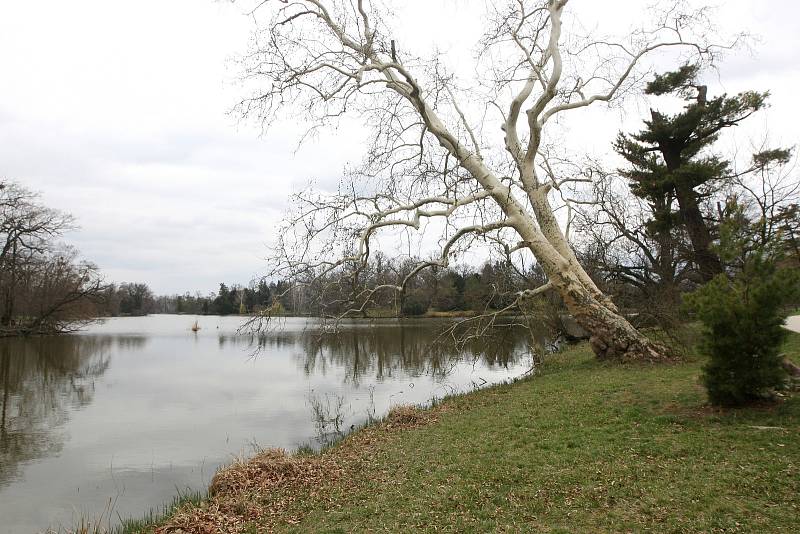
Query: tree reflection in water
{"type": "Point", "coordinates": [382, 348]}
{"type": "Point", "coordinates": [41, 380]}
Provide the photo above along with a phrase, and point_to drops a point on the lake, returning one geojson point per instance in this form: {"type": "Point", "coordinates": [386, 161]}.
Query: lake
{"type": "Point", "coordinates": [130, 411]}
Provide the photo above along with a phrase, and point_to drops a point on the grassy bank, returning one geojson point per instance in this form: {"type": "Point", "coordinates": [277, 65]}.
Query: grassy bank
{"type": "Point", "coordinates": [581, 447]}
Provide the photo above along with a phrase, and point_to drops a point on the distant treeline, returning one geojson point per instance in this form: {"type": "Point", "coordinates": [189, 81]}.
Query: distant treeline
{"type": "Point", "coordinates": [138, 299]}
{"type": "Point", "coordinates": [466, 288]}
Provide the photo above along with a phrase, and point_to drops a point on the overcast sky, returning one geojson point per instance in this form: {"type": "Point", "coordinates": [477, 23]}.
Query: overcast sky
{"type": "Point", "coordinates": [117, 112]}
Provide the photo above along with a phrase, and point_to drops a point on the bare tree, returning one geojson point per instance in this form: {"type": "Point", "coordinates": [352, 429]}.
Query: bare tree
{"type": "Point", "coordinates": [43, 286]}
{"type": "Point", "coordinates": [621, 239]}
{"type": "Point", "coordinates": [26, 229]}
{"type": "Point", "coordinates": [764, 194]}
{"type": "Point", "coordinates": [465, 157]}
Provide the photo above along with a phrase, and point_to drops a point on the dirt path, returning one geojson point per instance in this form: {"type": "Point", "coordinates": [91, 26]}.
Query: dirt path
{"type": "Point", "coordinates": [793, 323]}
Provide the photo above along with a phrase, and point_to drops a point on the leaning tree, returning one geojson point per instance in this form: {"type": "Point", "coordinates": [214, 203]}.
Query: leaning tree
{"type": "Point", "coordinates": [463, 154]}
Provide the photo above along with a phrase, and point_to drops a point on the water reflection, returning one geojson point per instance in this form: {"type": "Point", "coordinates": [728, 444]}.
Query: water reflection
{"type": "Point", "coordinates": [135, 407]}
{"type": "Point", "coordinates": [41, 381]}
{"type": "Point", "coordinates": [382, 349]}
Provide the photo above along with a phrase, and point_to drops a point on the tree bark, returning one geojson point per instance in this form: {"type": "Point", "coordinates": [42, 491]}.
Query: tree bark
{"type": "Point", "coordinates": [552, 231]}
{"type": "Point", "coordinates": [612, 336]}
{"type": "Point", "coordinates": [7, 316]}
{"type": "Point", "coordinates": [708, 263]}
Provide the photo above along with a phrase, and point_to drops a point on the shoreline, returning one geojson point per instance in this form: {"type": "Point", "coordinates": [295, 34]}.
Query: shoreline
{"type": "Point", "coordinates": [612, 447]}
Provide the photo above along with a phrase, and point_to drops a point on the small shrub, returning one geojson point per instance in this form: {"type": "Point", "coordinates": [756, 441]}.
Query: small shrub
{"type": "Point", "coordinates": [414, 305]}
{"type": "Point", "coordinates": [743, 331]}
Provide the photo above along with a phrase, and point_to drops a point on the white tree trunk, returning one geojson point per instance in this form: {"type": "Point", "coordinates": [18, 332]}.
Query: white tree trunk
{"type": "Point", "coordinates": [348, 59]}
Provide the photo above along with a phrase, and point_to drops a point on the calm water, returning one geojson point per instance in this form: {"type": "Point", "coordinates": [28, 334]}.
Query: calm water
{"type": "Point", "coordinates": [131, 409]}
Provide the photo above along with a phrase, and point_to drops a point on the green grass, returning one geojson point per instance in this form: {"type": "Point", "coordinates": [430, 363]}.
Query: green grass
{"type": "Point", "coordinates": [581, 447]}
{"type": "Point", "coordinates": [156, 516]}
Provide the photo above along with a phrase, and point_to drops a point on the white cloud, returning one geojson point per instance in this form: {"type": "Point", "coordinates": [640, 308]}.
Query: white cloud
{"type": "Point", "coordinates": [118, 113]}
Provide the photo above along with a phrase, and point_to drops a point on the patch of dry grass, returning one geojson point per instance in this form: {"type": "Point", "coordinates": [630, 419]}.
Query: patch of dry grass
{"type": "Point", "coordinates": [266, 492]}
{"type": "Point", "coordinates": [259, 488]}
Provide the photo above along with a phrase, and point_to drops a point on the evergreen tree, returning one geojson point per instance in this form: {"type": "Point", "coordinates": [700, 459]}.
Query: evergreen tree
{"type": "Point", "coordinates": [475, 293]}
{"type": "Point", "coordinates": [743, 330]}
{"type": "Point", "coordinates": [224, 304]}
{"type": "Point", "coordinates": [742, 312]}
{"type": "Point", "coordinates": [263, 295]}
{"type": "Point", "coordinates": [668, 164]}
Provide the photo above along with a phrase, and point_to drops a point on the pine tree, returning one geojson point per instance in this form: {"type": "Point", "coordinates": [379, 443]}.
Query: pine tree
{"type": "Point", "coordinates": [670, 169]}
{"type": "Point", "coordinates": [743, 330]}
